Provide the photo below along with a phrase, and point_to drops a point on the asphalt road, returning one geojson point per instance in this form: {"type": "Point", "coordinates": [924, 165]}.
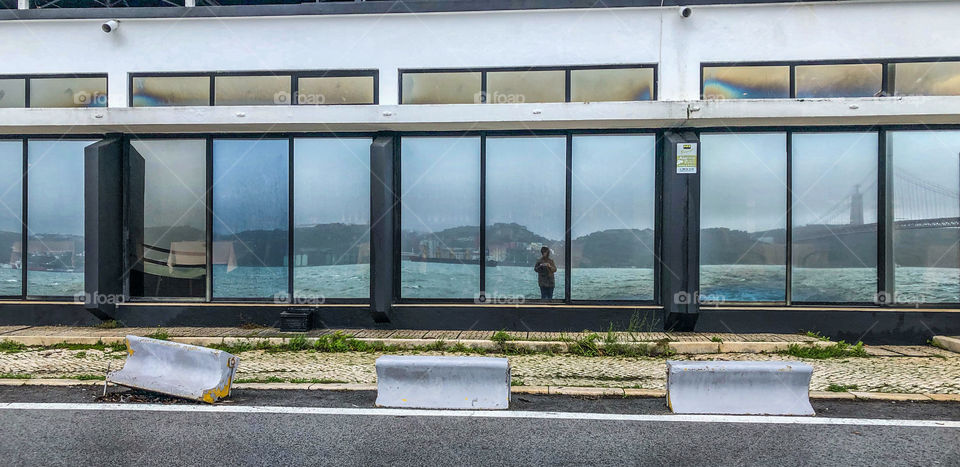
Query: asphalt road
{"type": "Point", "coordinates": [90, 436]}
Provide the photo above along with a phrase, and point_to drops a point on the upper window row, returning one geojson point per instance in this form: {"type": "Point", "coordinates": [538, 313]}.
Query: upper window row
{"type": "Point", "coordinates": [53, 91]}
{"type": "Point", "coordinates": [261, 88]}
{"type": "Point", "coordinates": [860, 79]}
{"type": "Point", "coordinates": [571, 84]}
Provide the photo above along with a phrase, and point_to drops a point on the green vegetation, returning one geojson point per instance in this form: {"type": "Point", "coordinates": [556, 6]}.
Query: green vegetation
{"type": "Point", "coordinates": [268, 379]}
{"type": "Point", "coordinates": [109, 324]}
{"type": "Point", "coordinates": [159, 334]}
{"type": "Point", "coordinates": [590, 346]}
{"type": "Point", "coordinates": [298, 342]}
{"type": "Point", "coordinates": [82, 354]}
{"type": "Point", "coordinates": [816, 335]}
{"type": "Point", "coordinates": [87, 377]}
{"type": "Point", "coordinates": [317, 381]}
{"type": "Point", "coordinates": [716, 339]}
{"type": "Point", "coordinates": [841, 387]}
{"type": "Point", "coordinates": [839, 350]}
{"type": "Point", "coordinates": [516, 382]}
{"type": "Point", "coordinates": [15, 376]}
{"type": "Point", "coordinates": [9, 346]}
{"type": "Point", "coordinates": [936, 344]}
{"type": "Point", "coordinates": [501, 337]}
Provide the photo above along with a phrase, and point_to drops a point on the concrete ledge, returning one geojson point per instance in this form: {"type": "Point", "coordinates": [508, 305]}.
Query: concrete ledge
{"type": "Point", "coordinates": [950, 343]}
{"type": "Point", "coordinates": [828, 395]}
{"type": "Point", "coordinates": [591, 392]}
{"type": "Point", "coordinates": [887, 396]}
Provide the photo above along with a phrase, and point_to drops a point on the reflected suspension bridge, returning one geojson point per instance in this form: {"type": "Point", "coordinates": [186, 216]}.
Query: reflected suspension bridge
{"type": "Point", "coordinates": [918, 204]}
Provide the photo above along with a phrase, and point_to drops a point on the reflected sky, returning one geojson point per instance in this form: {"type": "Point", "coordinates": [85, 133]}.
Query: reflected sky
{"type": "Point", "coordinates": [926, 170]}
{"type": "Point", "coordinates": [526, 183]}
{"type": "Point", "coordinates": [848, 80]}
{"type": "Point", "coordinates": [440, 183]}
{"type": "Point", "coordinates": [249, 185]}
{"type": "Point", "coordinates": [743, 182]}
{"type": "Point", "coordinates": [827, 169]}
{"type": "Point", "coordinates": [174, 184]}
{"type": "Point", "coordinates": [613, 183]}
{"type": "Point", "coordinates": [11, 191]}
{"type": "Point", "coordinates": [331, 181]}
{"type": "Point", "coordinates": [746, 82]}
{"type": "Point", "coordinates": [55, 184]}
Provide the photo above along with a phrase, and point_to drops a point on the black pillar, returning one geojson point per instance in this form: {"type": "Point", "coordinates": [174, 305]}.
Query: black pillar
{"type": "Point", "coordinates": [103, 226]}
{"type": "Point", "coordinates": [680, 221]}
{"type": "Point", "coordinates": [383, 222]}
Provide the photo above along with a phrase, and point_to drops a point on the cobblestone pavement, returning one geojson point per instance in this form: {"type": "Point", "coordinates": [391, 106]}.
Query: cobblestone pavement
{"type": "Point", "coordinates": [938, 371]}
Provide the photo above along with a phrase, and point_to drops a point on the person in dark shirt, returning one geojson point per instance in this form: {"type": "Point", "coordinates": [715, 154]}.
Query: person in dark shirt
{"type": "Point", "coordinates": [545, 268]}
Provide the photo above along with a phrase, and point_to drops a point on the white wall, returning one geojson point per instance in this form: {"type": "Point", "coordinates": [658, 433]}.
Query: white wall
{"type": "Point", "coordinates": [483, 39]}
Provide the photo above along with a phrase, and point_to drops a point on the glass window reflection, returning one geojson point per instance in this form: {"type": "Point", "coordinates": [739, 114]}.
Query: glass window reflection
{"type": "Point", "coordinates": [526, 211]}
{"type": "Point", "coordinates": [68, 92]}
{"type": "Point", "coordinates": [331, 218]}
{"type": "Point", "coordinates": [12, 93]}
{"type": "Point", "coordinates": [611, 84]}
{"type": "Point", "coordinates": [925, 78]}
{"type": "Point", "coordinates": [743, 193]}
{"type": "Point", "coordinates": [442, 88]}
{"type": "Point", "coordinates": [11, 196]}
{"type": "Point", "coordinates": [613, 197]}
{"type": "Point", "coordinates": [250, 218]}
{"type": "Point", "coordinates": [848, 80]}
{"type": "Point", "coordinates": [834, 210]}
{"type": "Point", "coordinates": [517, 87]}
{"type": "Point", "coordinates": [160, 91]}
{"type": "Point", "coordinates": [55, 226]}
{"type": "Point", "coordinates": [746, 82]}
{"type": "Point", "coordinates": [926, 181]}
{"type": "Point", "coordinates": [440, 217]}
{"type": "Point", "coordinates": [170, 231]}
{"type": "Point", "coordinates": [252, 90]}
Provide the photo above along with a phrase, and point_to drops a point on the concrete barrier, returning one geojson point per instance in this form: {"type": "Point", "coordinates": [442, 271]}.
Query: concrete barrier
{"type": "Point", "coordinates": [175, 369]}
{"type": "Point", "coordinates": [739, 388]}
{"type": "Point", "coordinates": [427, 382]}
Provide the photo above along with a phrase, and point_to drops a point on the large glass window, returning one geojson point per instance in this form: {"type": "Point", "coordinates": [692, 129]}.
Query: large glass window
{"type": "Point", "coordinates": [55, 224]}
{"type": "Point", "coordinates": [613, 197]}
{"type": "Point", "coordinates": [834, 252]}
{"type": "Point", "coordinates": [336, 90]}
{"type": "Point", "coordinates": [926, 205]}
{"type": "Point", "coordinates": [11, 196]}
{"type": "Point", "coordinates": [440, 217]}
{"type": "Point", "coordinates": [170, 234]}
{"type": "Point", "coordinates": [525, 211]}
{"type": "Point", "coordinates": [250, 218]}
{"type": "Point", "coordinates": [746, 82]}
{"type": "Point", "coordinates": [331, 218]}
{"type": "Point", "coordinates": [743, 216]}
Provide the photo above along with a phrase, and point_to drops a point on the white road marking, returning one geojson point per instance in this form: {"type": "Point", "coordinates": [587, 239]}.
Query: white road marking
{"type": "Point", "coordinates": [241, 409]}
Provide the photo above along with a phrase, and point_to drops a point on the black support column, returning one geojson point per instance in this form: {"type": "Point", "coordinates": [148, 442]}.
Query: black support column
{"type": "Point", "coordinates": [383, 222]}
{"type": "Point", "coordinates": [680, 231]}
{"type": "Point", "coordinates": [103, 226]}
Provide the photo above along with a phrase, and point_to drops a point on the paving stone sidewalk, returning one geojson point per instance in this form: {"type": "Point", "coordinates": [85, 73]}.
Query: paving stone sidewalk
{"type": "Point", "coordinates": [936, 371]}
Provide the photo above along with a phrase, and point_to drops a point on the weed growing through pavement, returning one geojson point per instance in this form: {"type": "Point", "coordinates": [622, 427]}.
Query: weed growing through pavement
{"type": "Point", "coordinates": [817, 335]}
{"type": "Point", "coordinates": [716, 339]}
{"type": "Point", "coordinates": [9, 346]}
{"type": "Point", "coordinates": [109, 324]}
{"type": "Point", "coordinates": [159, 334]}
{"type": "Point", "coordinates": [841, 387]}
{"type": "Point", "coordinates": [936, 344]}
{"type": "Point", "coordinates": [15, 376]}
{"type": "Point", "coordinates": [839, 350]}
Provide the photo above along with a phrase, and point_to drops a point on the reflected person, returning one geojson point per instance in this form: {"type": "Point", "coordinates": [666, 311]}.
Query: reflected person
{"type": "Point", "coordinates": [545, 268]}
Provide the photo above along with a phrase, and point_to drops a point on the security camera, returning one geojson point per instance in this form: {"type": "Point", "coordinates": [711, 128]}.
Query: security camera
{"type": "Point", "coordinates": [685, 11]}
{"type": "Point", "coordinates": [110, 26]}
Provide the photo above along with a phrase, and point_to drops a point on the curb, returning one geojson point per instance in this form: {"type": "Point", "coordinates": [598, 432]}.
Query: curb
{"type": "Point", "coordinates": [575, 391]}
{"type": "Point", "coordinates": [682, 348]}
{"type": "Point", "coordinates": [950, 343]}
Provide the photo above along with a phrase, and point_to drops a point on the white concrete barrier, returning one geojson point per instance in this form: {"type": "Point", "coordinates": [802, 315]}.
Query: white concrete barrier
{"type": "Point", "coordinates": [180, 370]}
{"type": "Point", "coordinates": [739, 388]}
{"type": "Point", "coordinates": [427, 382]}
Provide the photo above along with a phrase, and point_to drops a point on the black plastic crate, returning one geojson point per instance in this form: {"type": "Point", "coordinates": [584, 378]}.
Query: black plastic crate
{"type": "Point", "coordinates": [296, 320]}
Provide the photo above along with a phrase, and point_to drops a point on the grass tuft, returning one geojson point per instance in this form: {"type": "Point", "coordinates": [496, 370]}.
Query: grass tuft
{"type": "Point", "coordinates": [109, 324]}
{"type": "Point", "coordinates": [15, 376]}
{"type": "Point", "coordinates": [159, 334]}
{"type": "Point", "coordinates": [817, 335]}
{"type": "Point", "coordinates": [9, 346]}
{"type": "Point", "coordinates": [839, 350]}
{"type": "Point", "coordinates": [841, 387]}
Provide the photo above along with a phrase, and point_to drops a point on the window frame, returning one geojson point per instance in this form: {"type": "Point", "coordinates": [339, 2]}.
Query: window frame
{"type": "Point", "coordinates": [568, 136]}
{"type": "Point", "coordinates": [566, 78]}
{"type": "Point", "coordinates": [886, 87]}
{"type": "Point", "coordinates": [28, 77]}
{"type": "Point", "coordinates": [295, 75]}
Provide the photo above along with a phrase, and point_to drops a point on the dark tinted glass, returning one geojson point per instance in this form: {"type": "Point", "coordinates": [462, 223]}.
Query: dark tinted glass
{"type": "Point", "coordinates": [170, 237]}
{"type": "Point", "coordinates": [331, 217]}
{"type": "Point", "coordinates": [440, 217]}
{"type": "Point", "coordinates": [612, 218]}
{"type": "Point", "coordinates": [55, 207]}
{"type": "Point", "coordinates": [525, 207]}
{"type": "Point", "coordinates": [743, 216]}
{"type": "Point", "coordinates": [11, 196]}
{"type": "Point", "coordinates": [834, 217]}
{"type": "Point", "coordinates": [926, 204]}
{"type": "Point", "coordinates": [250, 218]}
